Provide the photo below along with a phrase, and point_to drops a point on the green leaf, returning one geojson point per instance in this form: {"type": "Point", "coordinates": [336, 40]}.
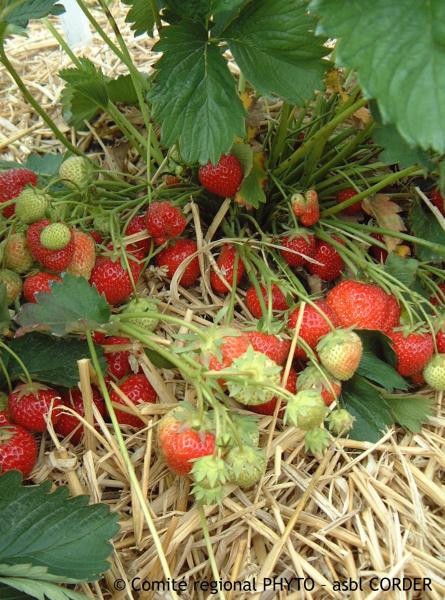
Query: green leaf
{"type": "Point", "coordinates": [140, 16]}
{"type": "Point", "coordinates": [47, 165]}
{"type": "Point", "coordinates": [403, 269]}
{"type": "Point", "coordinates": [396, 149]}
{"type": "Point", "coordinates": [23, 12]}
{"type": "Point", "coordinates": [8, 593]}
{"type": "Point", "coordinates": [77, 108]}
{"type": "Point", "coordinates": [378, 361]}
{"type": "Point", "coordinates": [398, 49]}
{"type": "Point", "coordinates": [49, 359]}
{"type": "Point", "coordinates": [252, 188]}
{"type": "Point", "coordinates": [244, 154]}
{"type": "Point", "coordinates": [73, 305]}
{"type": "Point", "coordinates": [366, 404]}
{"type": "Point", "coordinates": [159, 361]}
{"type": "Point", "coordinates": [410, 411]}
{"type": "Point", "coordinates": [276, 49]}
{"type": "Point", "coordinates": [42, 590]}
{"type": "Point", "coordinates": [194, 95]}
{"type": "Point", "coordinates": [52, 530]}
{"type": "Point", "coordinates": [424, 225]}
{"type": "Point", "coordinates": [122, 90]}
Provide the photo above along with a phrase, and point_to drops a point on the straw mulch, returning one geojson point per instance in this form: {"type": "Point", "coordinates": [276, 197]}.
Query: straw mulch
{"type": "Point", "coordinates": [364, 511]}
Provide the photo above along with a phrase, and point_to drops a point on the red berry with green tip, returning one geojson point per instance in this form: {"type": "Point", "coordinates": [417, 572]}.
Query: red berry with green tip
{"type": "Point", "coordinates": [18, 450]}
{"type": "Point", "coordinates": [268, 408]}
{"type": "Point", "coordinates": [53, 260]}
{"type": "Point", "coordinates": [17, 255]}
{"type": "Point", "coordinates": [224, 178]}
{"type": "Point", "coordinates": [177, 253]}
{"type": "Point", "coordinates": [272, 346]}
{"type": "Point", "coordinates": [226, 262]}
{"type": "Point", "coordinates": [139, 390]}
{"type": "Point", "coordinates": [12, 183]}
{"type": "Point", "coordinates": [164, 221]}
{"type": "Point", "coordinates": [340, 353]}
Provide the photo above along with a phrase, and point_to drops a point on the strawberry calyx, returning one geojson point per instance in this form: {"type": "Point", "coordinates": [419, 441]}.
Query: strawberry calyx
{"type": "Point", "coordinates": [340, 421]}
{"type": "Point", "coordinates": [209, 476]}
{"type": "Point", "coordinates": [316, 441]}
{"type": "Point", "coordinates": [24, 389]}
{"type": "Point", "coordinates": [306, 410]}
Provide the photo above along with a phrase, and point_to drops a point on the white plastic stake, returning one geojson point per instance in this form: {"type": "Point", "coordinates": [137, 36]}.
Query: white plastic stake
{"type": "Point", "coordinates": [75, 24]}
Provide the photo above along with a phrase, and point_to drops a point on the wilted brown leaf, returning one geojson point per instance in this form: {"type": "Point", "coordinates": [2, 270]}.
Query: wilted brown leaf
{"type": "Point", "coordinates": [386, 212]}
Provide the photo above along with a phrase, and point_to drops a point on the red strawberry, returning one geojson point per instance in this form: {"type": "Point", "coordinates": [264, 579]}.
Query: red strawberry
{"type": "Point", "coordinates": [17, 255]}
{"type": "Point", "coordinates": [139, 390]}
{"type": "Point", "coordinates": [112, 280]}
{"type": "Point", "coordinates": [84, 256]}
{"type": "Point", "coordinates": [359, 305]}
{"type": "Point", "coordinates": [271, 345]}
{"type": "Point", "coordinates": [331, 263]}
{"type": "Point", "coordinates": [313, 325]}
{"type": "Point", "coordinates": [180, 444]}
{"type": "Point", "coordinates": [306, 208]}
{"type": "Point", "coordinates": [99, 337]}
{"type": "Point", "coordinates": [97, 236]}
{"type": "Point", "coordinates": [439, 298]}
{"type": "Point", "coordinates": [12, 183]}
{"type": "Point", "coordinates": [138, 225]}
{"type": "Point", "coordinates": [53, 260]}
{"type": "Point", "coordinates": [254, 305]}
{"type": "Point", "coordinates": [437, 200]}
{"type": "Point", "coordinates": [38, 283]}
{"type": "Point", "coordinates": [174, 255]}
{"type": "Point", "coordinates": [392, 312]}
{"type": "Point", "coordinates": [231, 347]}
{"type": "Point", "coordinates": [119, 361]}
{"type": "Point", "coordinates": [303, 244]}
{"type": "Point", "coordinates": [164, 221]}
{"type": "Point", "coordinates": [18, 450]}
{"type": "Point", "coordinates": [67, 423]}
{"type": "Point", "coordinates": [268, 408]}
{"type": "Point", "coordinates": [226, 263]}
{"type": "Point", "coordinates": [377, 252]}
{"type": "Point", "coordinates": [346, 194]}
{"type": "Point", "coordinates": [29, 405]}
{"type": "Point", "coordinates": [440, 341]}
{"type": "Point", "coordinates": [224, 178]}
{"type": "Point", "coordinates": [413, 351]}
{"type": "Point", "coordinates": [418, 378]}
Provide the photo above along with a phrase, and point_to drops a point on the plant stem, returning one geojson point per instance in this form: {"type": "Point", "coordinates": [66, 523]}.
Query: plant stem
{"type": "Point", "coordinates": [62, 43]}
{"type": "Point", "coordinates": [36, 106]}
{"type": "Point", "coordinates": [281, 134]}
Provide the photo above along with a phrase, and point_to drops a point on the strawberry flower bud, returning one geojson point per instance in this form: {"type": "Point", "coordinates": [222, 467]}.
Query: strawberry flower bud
{"type": "Point", "coordinates": [316, 441]}
{"type": "Point", "coordinates": [340, 421]}
{"type": "Point", "coordinates": [246, 465]}
{"type": "Point", "coordinates": [209, 475]}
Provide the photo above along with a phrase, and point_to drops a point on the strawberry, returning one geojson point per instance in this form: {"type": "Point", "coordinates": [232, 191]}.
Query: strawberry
{"type": "Point", "coordinates": [112, 279]}
{"type": "Point", "coordinates": [296, 249]}
{"type": "Point", "coordinates": [30, 405]}
{"type": "Point", "coordinates": [346, 194]}
{"type": "Point", "coordinates": [434, 373]}
{"type": "Point", "coordinates": [306, 208]}
{"type": "Point", "coordinates": [75, 172]}
{"type": "Point", "coordinates": [245, 465]}
{"type": "Point", "coordinates": [224, 178]}
{"type": "Point", "coordinates": [306, 410]}
{"type": "Point", "coordinates": [13, 285]}
{"type": "Point", "coordinates": [38, 283]}
{"type": "Point", "coordinates": [340, 352]}
{"type": "Point", "coordinates": [270, 345]}
{"type": "Point", "coordinates": [257, 373]}
{"type": "Point", "coordinates": [179, 444]}
{"type": "Point", "coordinates": [440, 341]}
{"type": "Point", "coordinates": [97, 236]}
{"type": "Point", "coordinates": [331, 263]}
{"type": "Point", "coordinates": [313, 325]}
{"type": "Point", "coordinates": [209, 476]}
{"type": "Point", "coordinates": [437, 200]}
{"type": "Point", "coordinates": [53, 260]}
{"type": "Point", "coordinates": [313, 378]}
{"type": "Point", "coordinates": [138, 225]}
{"type": "Point", "coordinates": [269, 407]}
{"type": "Point", "coordinates": [55, 236]}
{"type": "Point", "coordinates": [376, 251]}
{"type": "Point", "coordinates": [340, 421]}
{"type": "Point", "coordinates": [226, 263]}
{"type": "Point", "coordinates": [359, 305]}
{"type": "Point", "coordinates": [84, 257]}
{"type": "Point", "coordinates": [139, 390]}
{"type": "Point", "coordinates": [392, 313]}
{"type": "Point", "coordinates": [68, 423]}
{"type": "Point", "coordinates": [164, 221]}
{"type": "Point", "coordinates": [31, 205]}
{"type": "Point", "coordinates": [253, 303]}
{"type": "Point", "coordinates": [439, 296]}
{"type": "Point", "coordinates": [413, 351]}
{"type": "Point", "coordinates": [17, 256]}
{"type": "Point", "coordinates": [418, 379]}
{"type": "Point", "coordinates": [231, 347]}
{"type": "Point", "coordinates": [174, 255]}
{"type": "Point", "coordinates": [118, 361]}
{"type": "Point", "coordinates": [316, 441]}
{"type": "Point", "coordinates": [18, 450]}
{"type": "Point", "coordinates": [12, 183]}
{"type": "Point", "coordinates": [142, 305]}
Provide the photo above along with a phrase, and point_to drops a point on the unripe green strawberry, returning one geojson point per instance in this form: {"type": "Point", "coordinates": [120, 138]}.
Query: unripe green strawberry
{"type": "Point", "coordinates": [55, 236]}
{"type": "Point", "coordinates": [316, 441]}
{"type": "Point", "coordinates": [340, 421]}
{"type": "Point", "coordinates": [17, 255]}
{"type": "Point", "coordinates": [209, 475]}
{"type": "Point", "coordinates": [434, 373]}
{"type": "Point", "coordinates": [306, 410]}
{"type": "Point", "coordinates": [340, 353]}
{"type": "Point", "coordinates": [246, 428]}
{"type": "Point", "coordinates": [256, 373]}
{"type": "Point", "coordinates": [246, 465]}
{"type": "Point", "coordinates": [76, 172]}
{"type": "Point", "coordinates": [142, 305]}
{"type": "Point", "coordinates": [13, 284]}
{"type": "Point", "coordinates": [102, 224]}
{"type": "Point", "coordinates": [31, 205]}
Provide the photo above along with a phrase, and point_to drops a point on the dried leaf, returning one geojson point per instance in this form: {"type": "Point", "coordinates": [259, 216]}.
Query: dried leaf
{"type": "Point", "coordinates": [386, 213]}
